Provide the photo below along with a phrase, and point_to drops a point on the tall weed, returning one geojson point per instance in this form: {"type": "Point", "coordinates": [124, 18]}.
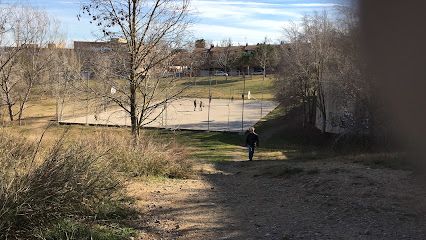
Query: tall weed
{"type": "Point", "coordinates": [67, 181]}
{"type": "Point", "coordinates": [150, 156]}
{"type": "Point", "coordinates": [76, 178]}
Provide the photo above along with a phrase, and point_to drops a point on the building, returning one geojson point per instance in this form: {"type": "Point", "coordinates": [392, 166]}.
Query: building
{"type": "Point", "coordinates": [206, 61]}
{"type": "Point", "coordinates": [92, 53]}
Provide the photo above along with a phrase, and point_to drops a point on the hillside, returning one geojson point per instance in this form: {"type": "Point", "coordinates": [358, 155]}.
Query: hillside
{"type": "Point", "coordinates": [296, 188]}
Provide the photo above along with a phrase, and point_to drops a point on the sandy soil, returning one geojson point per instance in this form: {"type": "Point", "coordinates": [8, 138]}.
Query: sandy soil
{"type": "Point", "coordinates": [283, 199]}
{"type": "Point", "coordinates": [222, 116]}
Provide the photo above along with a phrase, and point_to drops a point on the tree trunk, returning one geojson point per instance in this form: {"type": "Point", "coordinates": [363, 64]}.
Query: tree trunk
{"type": "Point", "coordinates": [133, 77]}
{"type": "Point", "coordinates": [324, 123]}
{"type": "Point", "coordinates": [323, 115]}
{"type": "Point", "coordinates": [312, 117]}
{"type": "Point", "coordinates": [133, 117]}
{"type": "Point", "coordinates": [24, 100]}
{"type": "Point", "coordinates": [9, 106]}
{"type": "Point", "coordinates": [304, 112]}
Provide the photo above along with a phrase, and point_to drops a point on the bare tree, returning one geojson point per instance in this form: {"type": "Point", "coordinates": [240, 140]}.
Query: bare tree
{"type": "Point", "coordinates": [152, 29]}
{"type": "Point", "coordinates": [324, 62]}
{"type": "Point", "coordinates": [355, 90]}
{"type": "Point", "coordinates": [25, 62]}
{"type": "Point", "coordinates": [265, 56]}
{"type": "Point", "coordinates": [319, 38]}
{"type": "Point", "coordinates": [310, 54]}
{"type": "Point", "coordinates": [9, 48]}
{"type": "Point", "coordinates": [224, 57]}
{"type": "Point", "coordinates": [65, 80]}
{"type": "Point", "coordinates": [9, 44]}
{"type": "Point", "coordinates": [294, 86]}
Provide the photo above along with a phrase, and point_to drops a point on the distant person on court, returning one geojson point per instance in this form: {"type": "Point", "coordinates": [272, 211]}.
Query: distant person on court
{"type": "Point", "coordinates": [201, 105]}
{"type": "Point", "coordinates": [195, 104]}
{"type": "Point", "coordinates": [252, 141]}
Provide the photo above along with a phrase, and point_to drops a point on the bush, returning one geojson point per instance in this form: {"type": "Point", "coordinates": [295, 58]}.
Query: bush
{"type": "Point", "coordinates": [66, 181]}
{"type": "Point", "coordinates": [150, 156]}
{"type": "Point", "coordinates": [76, 181]}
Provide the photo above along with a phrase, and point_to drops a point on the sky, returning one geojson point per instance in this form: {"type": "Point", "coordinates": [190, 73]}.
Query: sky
{"type": "Point", "coordinates": [241, 21]}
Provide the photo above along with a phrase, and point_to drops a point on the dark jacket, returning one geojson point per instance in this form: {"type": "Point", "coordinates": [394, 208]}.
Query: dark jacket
{"type": "Point", "coordinates": [252, 139]}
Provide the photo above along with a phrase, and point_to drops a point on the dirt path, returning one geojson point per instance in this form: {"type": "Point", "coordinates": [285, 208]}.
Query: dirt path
{"type": "Point", "coordinates": [327, 199]}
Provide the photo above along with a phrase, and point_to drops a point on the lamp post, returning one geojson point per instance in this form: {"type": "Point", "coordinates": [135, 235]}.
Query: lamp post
{"type": "Point", "coordinates": [165, 103]}
{"type": "Point", "coordinates": [242, 114]}
{"type": "Point", "coordinates": [57, 96]}
{"type": "Point", "coordinates": [261, 102]}
{"type": "Point", "coordinates": [210, 100]}
{"type": "Point", "coordinates": [87, 97]}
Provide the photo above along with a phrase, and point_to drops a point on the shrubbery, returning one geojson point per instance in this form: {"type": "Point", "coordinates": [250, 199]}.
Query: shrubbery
{"type": "Point", "coordinates": [150, 156]}
{"type": "Point", "coordinates": [76, 179]}
{"type": "Point", "coordinates": [67, 181]}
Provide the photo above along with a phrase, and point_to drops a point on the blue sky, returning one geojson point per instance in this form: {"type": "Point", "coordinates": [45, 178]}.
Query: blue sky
{"type": "Point", "coordinates": [242, 21]}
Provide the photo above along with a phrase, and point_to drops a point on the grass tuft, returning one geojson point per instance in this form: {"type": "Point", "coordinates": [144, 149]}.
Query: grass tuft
{"type": "Point", "coordinates": [68, 229]}
{"type": "Point", "coordinates": [39, 190]}
{"type": "Point", "coordinates": [150, 157]}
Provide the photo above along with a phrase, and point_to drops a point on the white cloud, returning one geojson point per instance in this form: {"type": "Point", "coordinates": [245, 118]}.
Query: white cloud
{"type": "Point", "coordinates": [243, 21]}
{"type": "Point", "coordinates": [220, 12]}
{"type": "Point", "coordinates": [275, 11]}
{"type": "Point", "coordinates": [237, 10]}
{"type": "Point", "coordinates": [268, 25]}
{"type": "Point", "coordinates": [238, 35]}
{"type": "Point", "coordinates": [234, 3]}
{"type": "Point", "coordinates": [314, 5]}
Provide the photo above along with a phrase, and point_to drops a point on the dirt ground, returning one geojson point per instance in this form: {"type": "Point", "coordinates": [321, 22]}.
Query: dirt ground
{"type": "Point", "coordinates": [284, 199]}
{"type": "Point", "coordinates": [222, 115]}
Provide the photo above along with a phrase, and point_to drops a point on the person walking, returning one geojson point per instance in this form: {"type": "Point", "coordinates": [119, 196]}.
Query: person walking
{"type": "Point", "coordinates": [252, 141]}
{"type": "Point", "coordinates": [201, 105]}
{"type": "Point", "coordinates": [195, 104]}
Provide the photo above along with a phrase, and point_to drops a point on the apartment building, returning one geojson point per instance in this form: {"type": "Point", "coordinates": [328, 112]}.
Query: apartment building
{"type": "Point", "coordinates": [92, 54]}
{"type": "Point", "coordinates": [211, 59]}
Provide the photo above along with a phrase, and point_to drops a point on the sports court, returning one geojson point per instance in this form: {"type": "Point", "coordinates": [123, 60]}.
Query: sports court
{"type": "Point", "coordinates": [219, 115]}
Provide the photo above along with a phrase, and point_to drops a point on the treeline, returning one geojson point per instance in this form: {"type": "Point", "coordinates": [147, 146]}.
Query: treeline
{"type": "Point", "coordinates": [321, 67]}
{"type": "Point", "coordinates": [33, 59]}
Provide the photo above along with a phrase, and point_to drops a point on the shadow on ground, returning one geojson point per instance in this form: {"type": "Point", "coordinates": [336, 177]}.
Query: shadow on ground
{"type": "Point", "coordinates": [299, 197]}
{"type": "Point", "coordinates": [310, 200]}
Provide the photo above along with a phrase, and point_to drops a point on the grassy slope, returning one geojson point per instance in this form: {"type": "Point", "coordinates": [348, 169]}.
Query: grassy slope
{"type": "Point", "coordinates": [282, 137]}
{"type": "Point", "coordinates": [281, 134]}
{"type": "Point", "coordinates": [41, 112]}
{"type": "Point", "coordinates": [225, 89]}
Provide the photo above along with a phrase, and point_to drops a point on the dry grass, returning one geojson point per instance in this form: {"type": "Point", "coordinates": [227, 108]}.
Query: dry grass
{"type": "Point", "coordinates": [150, 157]}
{"type": "Point", "coordinates": [38, 190]}
{"type": "Point", "coordinates": [76, 176]}
{"type": "Point", "coordinates": [273, 155]}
